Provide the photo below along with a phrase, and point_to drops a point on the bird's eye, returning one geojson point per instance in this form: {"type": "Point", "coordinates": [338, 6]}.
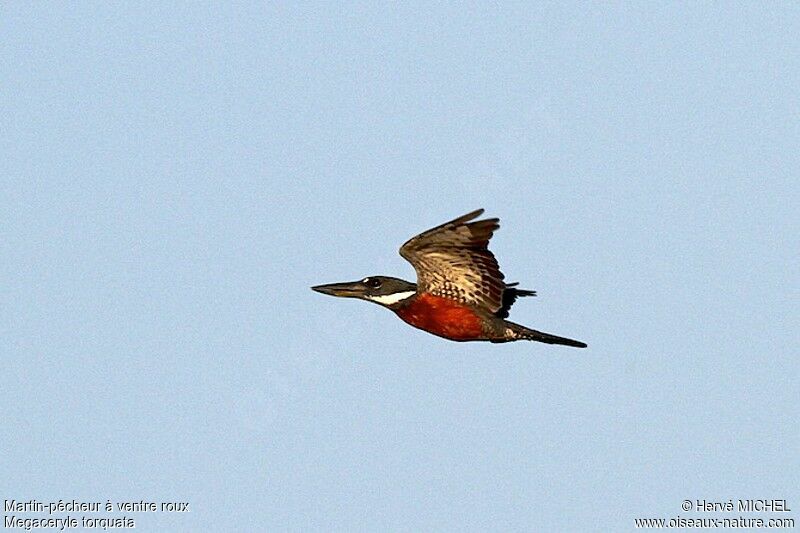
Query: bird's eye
{"type": "Point", "coordinates": [372, 282]}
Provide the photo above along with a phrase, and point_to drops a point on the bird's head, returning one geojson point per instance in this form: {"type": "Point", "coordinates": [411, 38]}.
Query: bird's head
{"type": "Point", "coordinates": [382, 290]}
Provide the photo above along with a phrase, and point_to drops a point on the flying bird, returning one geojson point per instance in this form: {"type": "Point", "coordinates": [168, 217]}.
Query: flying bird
{"type": "Point", "coordinates": [460, 293]}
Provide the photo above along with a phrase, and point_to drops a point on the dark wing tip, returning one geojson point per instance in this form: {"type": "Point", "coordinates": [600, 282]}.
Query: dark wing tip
{"type": "Point", "coordinates": [510, 295]}
{"type": "Point", "coordinates": [460, 221]}
{"type": "Point", "coordinates": [466, 218]}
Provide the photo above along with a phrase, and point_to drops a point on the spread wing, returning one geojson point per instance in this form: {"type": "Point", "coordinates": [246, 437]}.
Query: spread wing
{"type": "Point", "coordinates": [452, 261]}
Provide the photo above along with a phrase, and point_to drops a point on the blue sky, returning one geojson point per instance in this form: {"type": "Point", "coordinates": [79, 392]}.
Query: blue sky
{"type": "Point", "coordinates": [175, 177]}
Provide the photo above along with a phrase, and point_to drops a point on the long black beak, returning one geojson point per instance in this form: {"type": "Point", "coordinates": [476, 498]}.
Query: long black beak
{"type": "Point", "coordinates": [354, 289]}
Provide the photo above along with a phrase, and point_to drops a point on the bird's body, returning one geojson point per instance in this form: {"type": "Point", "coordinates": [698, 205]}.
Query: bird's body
{"type": "Point", "coordinates": [443, 317]}
{"type": "Point", "coordinates": [460, 293]}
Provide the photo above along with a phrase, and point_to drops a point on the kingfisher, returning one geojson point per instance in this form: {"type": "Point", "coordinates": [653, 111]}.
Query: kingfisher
{"type": "Point", "coordinates": [460, 294]}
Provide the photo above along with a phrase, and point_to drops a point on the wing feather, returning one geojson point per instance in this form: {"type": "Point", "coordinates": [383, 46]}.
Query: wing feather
{"type": "Point", "coordinates": [452, 260]}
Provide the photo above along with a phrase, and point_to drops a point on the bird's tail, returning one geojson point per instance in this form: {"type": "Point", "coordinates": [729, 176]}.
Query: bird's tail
{"type": "Point", "coordinates": [517, 332]}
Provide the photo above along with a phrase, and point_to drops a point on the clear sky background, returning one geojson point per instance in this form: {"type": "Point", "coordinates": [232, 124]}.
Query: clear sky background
{"type": "Point", "coordinates": [174, 177]}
